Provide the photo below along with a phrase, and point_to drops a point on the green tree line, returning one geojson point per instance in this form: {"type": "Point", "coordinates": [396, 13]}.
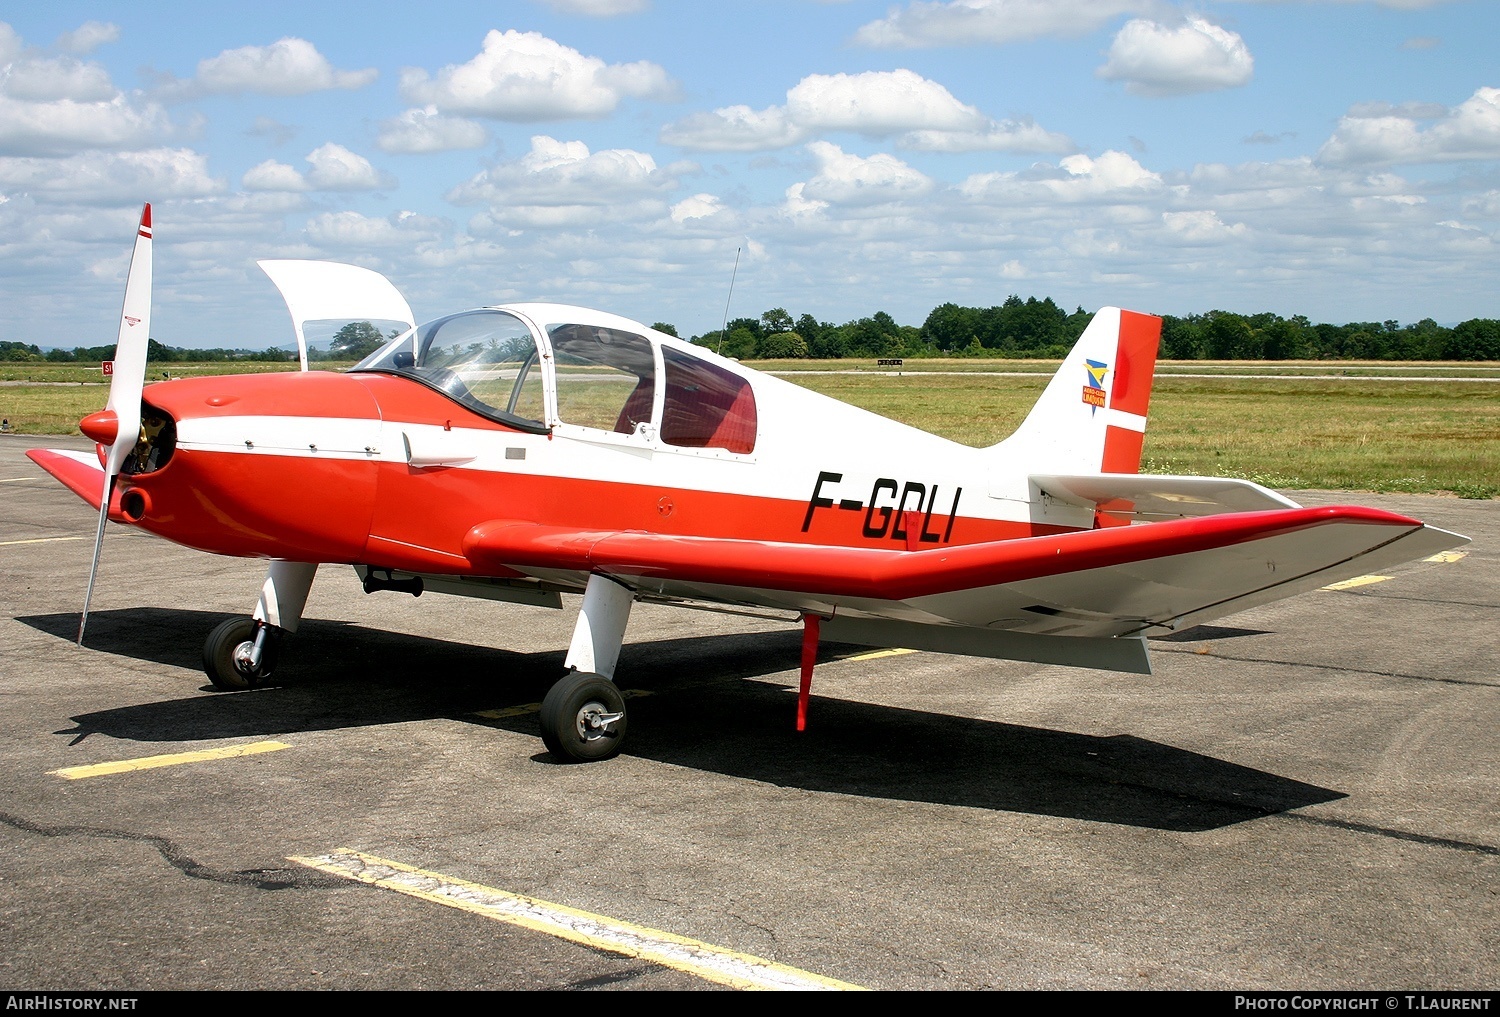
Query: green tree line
{"type": "Point", "coordinates": [1036, 328]}
{"type": "Point", "coordinates": [1030, 328]}
{"type": "Point", "coordinates": [354, 341]}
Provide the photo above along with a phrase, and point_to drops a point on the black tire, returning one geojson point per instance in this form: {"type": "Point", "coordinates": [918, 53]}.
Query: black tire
{"type": "Point", "coordinates": [218, 655]}
{"type": "Point", "coordinates": [566, 714]}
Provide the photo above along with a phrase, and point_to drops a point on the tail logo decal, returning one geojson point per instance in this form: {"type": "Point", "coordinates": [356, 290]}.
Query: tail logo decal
{"type": "Point", "coordinates": [1093, 392]}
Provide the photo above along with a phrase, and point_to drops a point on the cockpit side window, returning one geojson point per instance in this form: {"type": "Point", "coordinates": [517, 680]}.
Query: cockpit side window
{"type": "Point", "coordinates": [605, 378]}
{"type": "Point", "coordinates": [486, 360]}
{"type": "Point", "coordinates": [706, 406]}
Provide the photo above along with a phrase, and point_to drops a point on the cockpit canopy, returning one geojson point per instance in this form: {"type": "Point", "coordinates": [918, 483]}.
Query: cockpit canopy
{"type": "Point", "coordinates": [569, 374]}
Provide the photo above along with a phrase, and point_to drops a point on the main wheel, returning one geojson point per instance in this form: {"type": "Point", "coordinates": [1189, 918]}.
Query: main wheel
{"type": "Point", "coordinates": [226, 644]}
{"type": "Point", "coordinates": [583, 718]}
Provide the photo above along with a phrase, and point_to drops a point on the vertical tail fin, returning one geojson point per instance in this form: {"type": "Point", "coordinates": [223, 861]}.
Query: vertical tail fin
{"type": "Point", "coordinates": [1092, 416]}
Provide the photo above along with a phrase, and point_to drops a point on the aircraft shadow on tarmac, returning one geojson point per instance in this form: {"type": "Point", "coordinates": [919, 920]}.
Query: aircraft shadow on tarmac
{"type": "Point", "coordinates": [701, 712]}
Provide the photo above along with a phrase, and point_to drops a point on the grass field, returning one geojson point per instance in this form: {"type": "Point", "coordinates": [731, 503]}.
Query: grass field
{"type": "Point", "coordinates": [1328, 433]}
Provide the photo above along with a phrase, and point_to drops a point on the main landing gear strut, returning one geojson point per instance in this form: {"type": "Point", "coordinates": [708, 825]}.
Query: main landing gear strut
{"type": "Point", "coordinates": [241, 653]}
{"type": "Point", "coordinates": [583, 715]}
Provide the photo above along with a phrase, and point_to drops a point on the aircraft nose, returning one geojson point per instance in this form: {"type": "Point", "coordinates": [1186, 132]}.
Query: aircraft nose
{"type": "Point", "coordinates": [274, 465]}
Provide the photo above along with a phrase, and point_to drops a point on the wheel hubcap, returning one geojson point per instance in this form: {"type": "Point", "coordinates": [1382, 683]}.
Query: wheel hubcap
{"type": "Point", "coordinates": [594, 722]}
{"type": "Point", "coordinates": [244, 655]}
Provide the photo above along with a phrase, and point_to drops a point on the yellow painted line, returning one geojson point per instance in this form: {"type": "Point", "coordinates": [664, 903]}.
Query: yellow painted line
{"type": "Point", "coordinates": [177, 758]}
{"type": "Point", "coordinates": [712, 963]}
{"type": "Point", "coordinates": [509, 711]}
{"type": "Point", "coordinates": [1349, 584]}
{"type": "Point", "coordinates": [528, 708]}
{"type": "Point", "coordinates": [1443, 557]}
{"type": "Point", "coordinates": [16, 480]}
{"type": "Point", "coordinates": [39, 540]}
{"type": "Point", "coordinates": [880, 653]}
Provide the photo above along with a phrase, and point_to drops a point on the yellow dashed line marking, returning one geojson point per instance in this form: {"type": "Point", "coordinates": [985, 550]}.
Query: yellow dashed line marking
{"type": "Point", "coordinates": [39, 540]}
{"type": "Point", "coordinates": [1349, 584]}
{"type": "Point", "coordinates": [175, 759]}
{"type": "Point", "coordinates": [509, 711]}
{"type": "Point", "coordinates": [527, 708]}
{"type": "Point", "coordinates": [16, 480]}
{"type": "Point", "coordinates": [880, 653]}
{"type": "Point", "coordinates": [712, 963]}
{"type": "Point", "coordinates": [1444, 557]}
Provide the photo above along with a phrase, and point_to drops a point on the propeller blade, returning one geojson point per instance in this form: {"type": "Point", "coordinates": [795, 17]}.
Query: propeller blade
{"type": "Point", "coordinates": [125, 387]}
{"type": "Point", "coordinates": [109, 490]}
{"type": "Point", "coordinates": [131, 349]}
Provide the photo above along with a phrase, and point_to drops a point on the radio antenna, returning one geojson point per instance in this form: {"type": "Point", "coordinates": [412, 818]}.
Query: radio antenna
{"type": "Point", "coordinates": [725, 328]}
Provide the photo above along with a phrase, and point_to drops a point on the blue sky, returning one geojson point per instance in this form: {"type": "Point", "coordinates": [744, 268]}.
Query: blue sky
{"type": "Point", "coordinates": [1334, 158]}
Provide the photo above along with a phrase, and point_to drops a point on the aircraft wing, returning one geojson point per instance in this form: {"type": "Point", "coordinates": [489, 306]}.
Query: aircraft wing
{"type": "Point", "coordinates": [1096, 584]}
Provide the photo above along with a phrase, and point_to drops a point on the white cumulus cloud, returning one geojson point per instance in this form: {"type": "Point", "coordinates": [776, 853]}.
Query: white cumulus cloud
{"type": "Point", "coordinates": [1114, 177]}
{"type": "Point", "coordinates": [1471, 130]}
{"type": "Point", "coordinates": [735, 129]}
{"type": "Point", "coordinates": [427, 130]}
{"type": "Point", "coordinates": [1023, 135]}
{"type": "Point", "coordinates": [88, 37]}
{"type": "Point", "coordinates": [64, 126]}
{"type": "Point", "coordinates": [360, 232]}
{"type": "Point", "coordinates": [98, 178]}
{"type": "Point", "coordinates": [274, 176]}
{"type": "Point", "coordinates": [331, 167]}
{"type": "Point", "coordinates": [335, 168]}
{"type": "Point", "coordinates": [10, 43]}
{"type": "Point", "coordinates": [798, 205]}
{"type": "Point", "coordinates": [525, 76]}
{"type": "Point", "coordinates": [989, 22]}
{"type": "Point", "coordinates": [699, 206]}
{"type": "Point", "coordinates": [55, 106]}
{"type": "Point", "coordinates": [1201, 227]}
{"type": "Point", "coordinates": [289, 66]}
{"type": "Point", "coordinates": [48, 80]}
{"type": "Point", "coordinates": [562, 182]}
{"type": "Point", "coordinates": [872, 103]}
{"type": "Point", "coordinates": [1110, 174]}
{"type": "Point", "coordinates": [1196, 56]}
{"type": "Point", "coordinates": [845, 179]}
{"type": "Point", "coordinates": [878, 103]}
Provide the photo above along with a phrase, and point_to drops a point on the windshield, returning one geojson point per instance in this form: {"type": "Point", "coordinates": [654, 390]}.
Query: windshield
{"type": "Point", "coordinates": [486, 360]}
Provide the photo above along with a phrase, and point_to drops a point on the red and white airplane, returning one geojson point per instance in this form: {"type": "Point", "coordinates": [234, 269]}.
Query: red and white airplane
{"type": "Point", "coordinates": [521, 452]}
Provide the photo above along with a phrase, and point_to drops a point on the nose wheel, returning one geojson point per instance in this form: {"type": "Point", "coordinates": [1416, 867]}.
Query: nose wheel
{"type": "Point", "coordinates": [240, 654]}
{"type": "Point", "coordinates": [583, 718]}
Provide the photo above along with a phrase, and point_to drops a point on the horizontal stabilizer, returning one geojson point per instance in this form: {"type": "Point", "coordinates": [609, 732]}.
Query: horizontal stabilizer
{"type": "Point", "coordinates": [1149, 498]}
{"type": "Point", "coordinates": [1127, 654]}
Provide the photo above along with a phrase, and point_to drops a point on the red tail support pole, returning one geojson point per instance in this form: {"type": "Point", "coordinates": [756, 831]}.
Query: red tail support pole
{"type": "Point", "coordinates": [810, 623]}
